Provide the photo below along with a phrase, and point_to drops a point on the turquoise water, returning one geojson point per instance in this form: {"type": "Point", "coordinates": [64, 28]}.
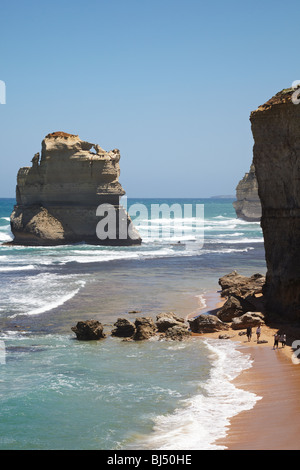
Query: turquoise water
{"type": "Point", "coordinates": [59, 393]}
{"type": "Point", "coordinates": [62, 394]}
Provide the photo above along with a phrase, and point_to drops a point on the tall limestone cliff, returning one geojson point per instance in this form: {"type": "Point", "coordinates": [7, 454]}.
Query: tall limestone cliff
{"type": "Point", "coordinates": [247, 204]}
{"type": "Point", "coordinates": [276, 131]}
{"type": "Point", "coordinates": [58, 196]}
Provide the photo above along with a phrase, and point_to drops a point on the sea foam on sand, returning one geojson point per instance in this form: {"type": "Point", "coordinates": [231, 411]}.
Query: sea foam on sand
{"type": "Point", "coordinates": [205, 417]}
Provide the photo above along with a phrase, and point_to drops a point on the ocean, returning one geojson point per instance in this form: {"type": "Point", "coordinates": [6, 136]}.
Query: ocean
{"type": "Point", "coordinates": [59, 393]}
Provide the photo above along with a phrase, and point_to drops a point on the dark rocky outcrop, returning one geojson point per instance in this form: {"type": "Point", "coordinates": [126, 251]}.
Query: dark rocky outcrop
{"type": "Point", "coordinates": [244, 302]}
{"type": "Point", "coordinates": [88, 330]}
{"type": "Point", "coordinates": [172, 326]}
{"type": "Point", "coordinates": [166, 320]}
{"type": "Point", "coordinates": [248, 292]}
{"type": "Point", "coordinates": [145, 328]}
{"type": "Point", "coordinates": [168, 325]}
{"type": "Point", "coordinates": [58, 196]}
{"type": "Point", "coordinates": [249, 319]}
{"type": "Point", "coordinates": [206, 323]}
{"type": "Point", "coordinates": [123, 328]}
{"type": "Point", "coordinates": [232, 308]}
{"type": "Point", "coordinates": [178, 332]}
{"type": "Point", "coordinates": [247, 204]}
{"type": "Point", "coordinates": [241, 286]}
{"type": "Point", "coordinates": [276, 156]}
{"type": "Point", "coordinates": [244, 295]}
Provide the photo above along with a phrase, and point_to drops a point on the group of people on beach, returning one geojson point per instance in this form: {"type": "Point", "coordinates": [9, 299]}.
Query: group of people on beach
{"type": "Point", "coordinates": [249, 333]}
{"type": "Point", "coordinates": [278, 338]}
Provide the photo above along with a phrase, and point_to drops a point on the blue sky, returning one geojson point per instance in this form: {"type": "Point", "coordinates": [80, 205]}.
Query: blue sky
{"type": "Point", "coordinates": [169, 83]}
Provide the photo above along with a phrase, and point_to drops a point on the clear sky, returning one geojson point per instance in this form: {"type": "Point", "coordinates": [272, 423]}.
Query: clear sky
{"type": "Point", "coordinates": [171, 83]}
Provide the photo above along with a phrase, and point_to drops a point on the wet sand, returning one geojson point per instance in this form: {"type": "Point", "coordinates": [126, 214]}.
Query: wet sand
{"type": "Point", "coordinates": [274, 422]}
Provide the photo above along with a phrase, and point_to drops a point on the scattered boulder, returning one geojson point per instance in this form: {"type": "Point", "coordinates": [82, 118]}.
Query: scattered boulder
{"type": "Point", "coordinates": [206, 323]}
{"type": "Point", "coordinates": [168, 326]}
{"type": "Point", "coordinates": [251, 319]}
{"type": "Point", "coordinates": [145, 328]}
{"type": "Point", "coordinates": [88, 330]}
{"type": "Point", "coordinates": [178, 332]}
{"type": "Point", "coordinates": [124, 328]}
{"type": "Point", "coordinates": [225, 336]}
{"type": "Point", "coordinates": [167, 320]}
{"type": "Point", "coordinates": [231, 309]}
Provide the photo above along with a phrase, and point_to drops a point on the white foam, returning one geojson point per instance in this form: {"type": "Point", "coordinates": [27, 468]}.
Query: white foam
{"type": "Point", "coordinates": [243, 240]}
{"type": "Point", "coordinates": [220, 223]}
{"type": "Point", "coordinates": [51, 305]}
{"type": "Point", "coordinates": [201, 301]}
{"type": "Point", "coordinates": [17, 268]}
{"type": "Point", "coordinates": [37, 294]}
{"type": "Point", "coordinates": [205, 418]}
{"type": "Point", "coordinates": [234, 241]}
{"type": "Point", "coordinates": [5, 237]}
{"type": "Point", "coordinates": [104, 256]}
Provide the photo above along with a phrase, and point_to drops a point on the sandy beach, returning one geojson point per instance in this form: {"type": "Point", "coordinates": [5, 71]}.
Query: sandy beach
{"type": "Point", "coordinates": [274, 422]}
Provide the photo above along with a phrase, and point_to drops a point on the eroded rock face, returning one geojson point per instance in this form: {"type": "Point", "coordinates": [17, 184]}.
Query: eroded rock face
{"type": "Point", "coordinates": [241, 286]}
{"type": "Point", "coordinates": [123, 328]}
{"type": "Point", "coordinates": [145, 328]}
{"type": "Point", "coordinates": [166, 320]}
{"type": "Point", "coordinates": [276, 132]}
{"type": "Point", "coordinates": [88, 330]}
{"type": "Point", "coordinates": [57, 197]}
{"type": "Point", "coordinates": [168, 326]}
{"type": "Point", "coordinates": [250, 319]}
{"type": "Point", "coordinates": [244, 294]}
{"type": "Point", "coordinates": [231, 309]}
{"type": "Point", "coordinates": [247, 205]}
{"type": "Point", "coordinates": [178, 332]}
{"type": "Point", "coordinates": [206, 323]}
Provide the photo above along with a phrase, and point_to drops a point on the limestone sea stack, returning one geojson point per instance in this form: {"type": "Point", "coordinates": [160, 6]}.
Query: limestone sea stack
{"type": "Point", "coordinates": [59, 196]}
{"type": "Point", "coordinates": [276, 131]}
{"type": "Point", "coordinates": [247, 204]}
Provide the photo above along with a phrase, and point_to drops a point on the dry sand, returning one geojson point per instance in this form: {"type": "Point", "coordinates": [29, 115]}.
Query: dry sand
{"type": "Point", "coordinates": [274, 422]}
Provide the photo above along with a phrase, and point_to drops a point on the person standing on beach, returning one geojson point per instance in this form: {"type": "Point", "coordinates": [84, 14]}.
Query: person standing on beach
{"type": "Point", "coordinates": [249, 333]}
{"type": "Point", "coordinates": [276, 339]}
{"type": "Point", "coordinates": [258, 332]}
